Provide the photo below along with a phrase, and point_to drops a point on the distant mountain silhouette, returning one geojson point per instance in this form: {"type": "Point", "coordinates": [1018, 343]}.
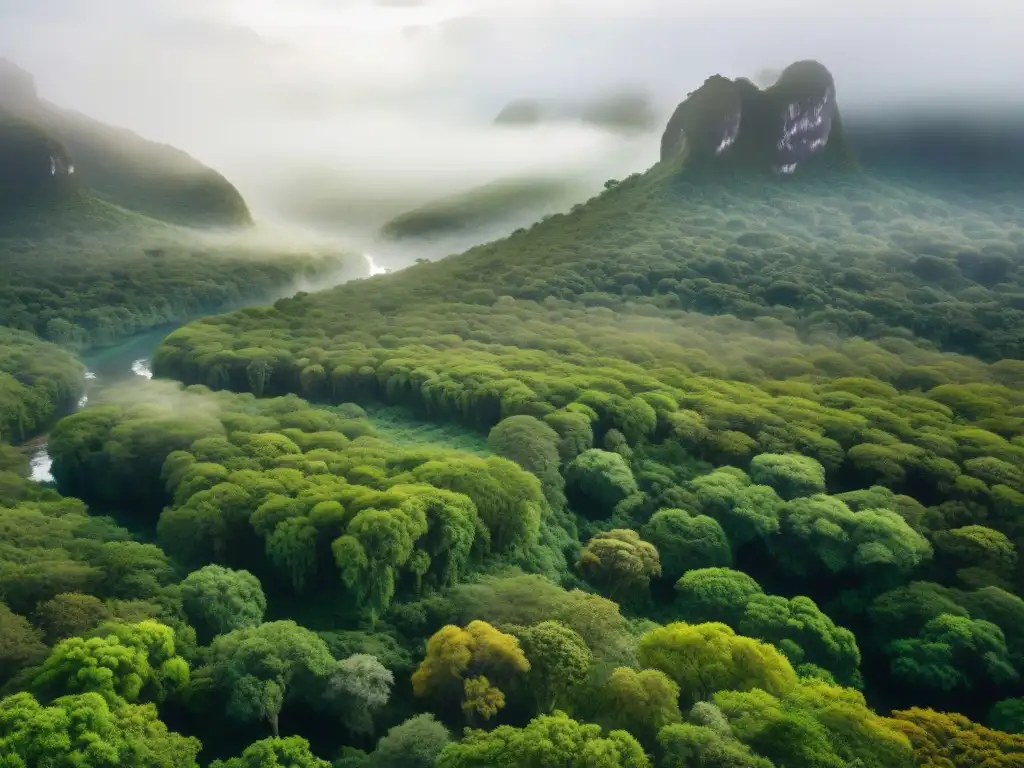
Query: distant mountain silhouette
{"type": "Point", "coordinates": [114, 164]}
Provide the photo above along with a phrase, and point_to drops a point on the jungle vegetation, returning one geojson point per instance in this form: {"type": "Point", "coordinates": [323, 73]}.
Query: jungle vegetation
{"type": "Point", "coordinates": [700, 474]}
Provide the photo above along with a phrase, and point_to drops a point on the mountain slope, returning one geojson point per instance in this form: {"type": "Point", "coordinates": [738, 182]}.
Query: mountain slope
{"type": "Point", "coordinates": [123, 168]}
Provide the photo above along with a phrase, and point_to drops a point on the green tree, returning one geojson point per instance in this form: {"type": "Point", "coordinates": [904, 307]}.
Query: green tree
{"type": "Point", "coordinates": [638, 702]}
{"type": "Point", "coordinates": [260, 668]}
{"type": "Point", "coordinates": [814, 724]}
{"type": "Point", "coordinates": [89, 731]}
{"type": "Point", "coordinates": [1007, 716]}
{"type": "Point", "coordinates": [687, 542]}
{"type": "Point", "coordinates": [705, 658]}
{"type": "Point", "coordinates": [687, 745]}
{"type": "Point", "coordinates": [69, 615]}
{"type": "Point", "coordinates": [715, 595]}
{"type": "Point", "coordinates": [559, 661]}
{"type": "Point", "coordinates": [620, 561]}
{"type": "Point", "coordinates": [973, 548]}
{"type": "Point", "coordinates": [548, 740]}
{"type": "Point", "coordinates": [533, 445]}
{"type": "Point", "coordinates": [289, 752]}
{"type": "Point", "coordinates": [804, 634]}
{"type": "Point", "coordinates": [218, 600]}
{"type": "Point", "coordinates": [360, 687]}
{"type": "Point", "coordinates": [416, 743]}
{"type": "Point", "coordinates": [136, 662]}
{"type": "Point", "coordinates": [791, 475]}
{"type": "Point", "coordinates": [745, 511]}
{"type": "Point", "coordinates": [954, 653]}
{"type": "Point", "coordinates": [598, 480]}
{"type": "Point", "coordinates": [457, 656]}
{"type": "Point", "coordinates": [20, 644]}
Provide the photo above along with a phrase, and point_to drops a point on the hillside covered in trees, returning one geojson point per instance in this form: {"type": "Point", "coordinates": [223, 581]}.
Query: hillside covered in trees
{"type": "Point", "coordinates": [715, 470]}
{"type": "Point", "coordinates": [117, 165]}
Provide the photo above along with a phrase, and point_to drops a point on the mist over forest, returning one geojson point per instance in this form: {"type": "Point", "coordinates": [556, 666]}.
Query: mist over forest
{"type": "Point", "coordinates": [342, 115]}
{"type": "Point", "coordinates": [511, 384]}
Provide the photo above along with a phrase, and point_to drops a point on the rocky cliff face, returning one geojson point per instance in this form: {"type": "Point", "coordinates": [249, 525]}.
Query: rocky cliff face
{"type": "Point", "coordinates": [33, 164]}
{"type": "Point", "coordinates": [788, 128]}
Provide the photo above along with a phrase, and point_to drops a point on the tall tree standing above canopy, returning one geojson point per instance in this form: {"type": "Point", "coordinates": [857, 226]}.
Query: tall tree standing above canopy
{"type": "Point", "coordinates": [458, 659]}
{"type": "Point", "coordinates": [219, 600]}
{"type": "Point", "coordinates": [706, 658]}
{"type": "Point", "coordinates": [261, 667]}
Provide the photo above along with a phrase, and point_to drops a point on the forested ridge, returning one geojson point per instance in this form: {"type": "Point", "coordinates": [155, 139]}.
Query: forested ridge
{"type": "Point", "coordinates": [703, 473]}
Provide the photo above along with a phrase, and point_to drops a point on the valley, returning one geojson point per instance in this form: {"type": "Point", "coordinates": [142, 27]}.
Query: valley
{"type": "Point", "coordinates": [722, 467]}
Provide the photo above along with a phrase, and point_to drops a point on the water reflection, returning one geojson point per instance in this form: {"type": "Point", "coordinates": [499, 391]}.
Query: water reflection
{"type": "Point", "coordinates": [40, 463]}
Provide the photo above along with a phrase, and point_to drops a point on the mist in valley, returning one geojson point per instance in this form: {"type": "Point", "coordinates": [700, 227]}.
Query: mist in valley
{"type": "Point", "coordinates": [335, 116]}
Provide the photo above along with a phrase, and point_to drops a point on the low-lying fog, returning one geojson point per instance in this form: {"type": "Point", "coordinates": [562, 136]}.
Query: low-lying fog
{"type": "Point", "coordinates": [340, 114]}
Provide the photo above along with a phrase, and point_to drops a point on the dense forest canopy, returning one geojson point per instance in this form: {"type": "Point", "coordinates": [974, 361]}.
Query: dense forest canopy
{"type": "Point", "coordinates": [720, 471]}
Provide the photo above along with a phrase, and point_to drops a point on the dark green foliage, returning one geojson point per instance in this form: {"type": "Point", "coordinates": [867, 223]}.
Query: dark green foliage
{"type": "Point", "coordinates": [258, 669]}
{"type": "Point", "coordinates": [69, 615]}
{"type": "Point", "coordinates": [1007, 716]}
{"type": "Point", "coordinates": [681, 375]}
{"type": "Point", "coordinates": [218, 600]}
{"type": "Point", "coordinates": [687, 542]}
{"type": "Point", "coordinates": [120, 166]}
{"type": "Point", "coordinates": [598, 480]}
{"type": "Point", "coordinates": [21, 644]}
{"type": "Point", "coordinates": [39, 382]}
{"type": "Point", "coordinates": [34, 165]}
{"type": "Point", "coordinates": [84, 273]}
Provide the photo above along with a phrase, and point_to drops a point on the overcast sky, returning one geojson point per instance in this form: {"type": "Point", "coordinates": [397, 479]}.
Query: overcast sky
{"type": "Point", "coordinates": [395, 97]}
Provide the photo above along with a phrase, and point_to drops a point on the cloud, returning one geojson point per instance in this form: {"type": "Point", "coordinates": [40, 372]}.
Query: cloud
{"type": "Point", "coordinates": [369, 106]}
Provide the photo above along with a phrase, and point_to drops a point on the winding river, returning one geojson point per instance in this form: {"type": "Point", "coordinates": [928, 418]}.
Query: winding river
{"type": "Point", "coordinates": [127, 361]}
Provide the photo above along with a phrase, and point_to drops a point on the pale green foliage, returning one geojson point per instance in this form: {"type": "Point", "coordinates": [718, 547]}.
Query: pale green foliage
{"type": "Point", "coordinates": [290, 752]}
{"type": "Point", "coordinates": [715, 594]}
{"type": "Point", "coordinates": [745, 511]}
{"type": "Point", "coordinates": [548, 740]}
{"type": "Point", "coordinates": [136, 662]}
{"type": "Point", "coordinates": [640, 702]}
{"type": "Point", "coordinates": [791, 475]}
{"type": "Point", "coordinates": [360, 687]}
{"type": "Point", "coordinates": [88, 731]}
{"type": "Point", "coordinates": [705, 658]}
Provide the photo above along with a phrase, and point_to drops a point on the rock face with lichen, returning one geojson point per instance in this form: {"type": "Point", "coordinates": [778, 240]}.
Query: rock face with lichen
{"type": "Point", "coordinates": [789, 128]}
{"type": "Point", "coordinates": [33, 164]}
